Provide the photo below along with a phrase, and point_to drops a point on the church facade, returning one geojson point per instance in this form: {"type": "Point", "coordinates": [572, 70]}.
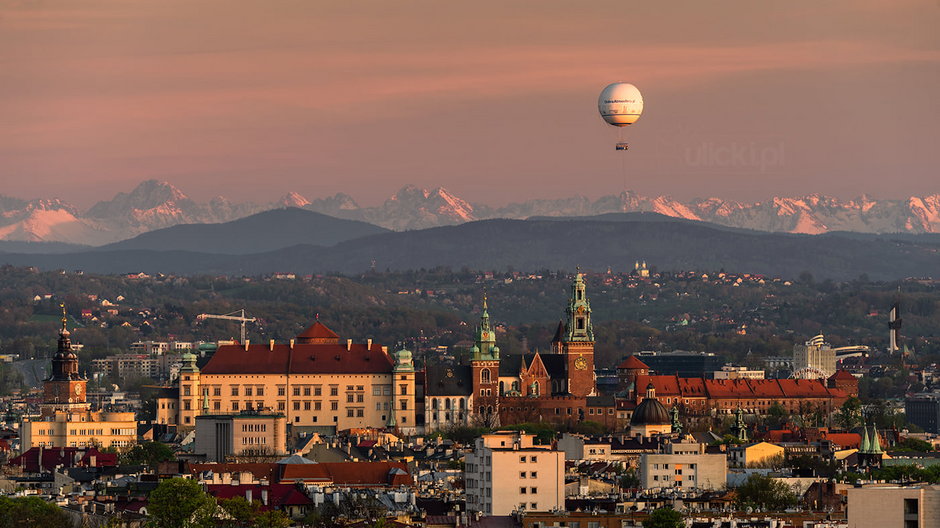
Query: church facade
{"type": "Point", "coordinates": [66, 419]}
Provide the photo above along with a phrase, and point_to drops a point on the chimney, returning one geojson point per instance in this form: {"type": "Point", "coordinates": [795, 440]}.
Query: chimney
{"type": "Point", "coordinates": [248, 495]}
{"type": "Point", "coordinates": [271, 344]}
{"type": "Point", "coordinates": [292, 344]}
{"type": "Point", "coordinates": [247, 341]}
{"type": "Point", "coordinates": [348, 344]}
{"type": "Point", "coordinates": [264, 497]}
{"type": "Point", "coordinates": [369, 344]}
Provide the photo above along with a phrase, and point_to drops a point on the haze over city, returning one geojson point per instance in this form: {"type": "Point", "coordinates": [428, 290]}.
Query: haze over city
{"type": "Point", "coordinates": [495, 102]}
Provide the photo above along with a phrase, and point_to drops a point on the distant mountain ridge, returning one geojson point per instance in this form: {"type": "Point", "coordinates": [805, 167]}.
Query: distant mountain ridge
{"type": "Point", "coordinates": [156, 205]}
{"type": "Point", "coordinates": [615, 241]}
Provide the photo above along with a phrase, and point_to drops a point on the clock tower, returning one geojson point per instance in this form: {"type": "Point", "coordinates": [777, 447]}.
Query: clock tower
{"type": "Point", "coordinates": [65, 385]}
{"type": "Point", "coordinates": [577, 341]}
{"type": "Point", "coordinates": [484, 366]}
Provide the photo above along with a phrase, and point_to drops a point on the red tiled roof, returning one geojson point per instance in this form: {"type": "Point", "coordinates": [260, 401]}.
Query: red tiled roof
{"type": "Point", "coordinates": [632, 363]}
{"type": "Point", "coordinates": [299, 359]}
{"type": "Point", "coordinates": [278, 494]}
{"type": "Point", "coordinates": [60, 456]}
{"type": "Point", "coordinates": [738, 388]}
{"type": "Point", "coordinates": [317, 330]}
{"type": "Point", "coordinates": [842, 375]}
{"type": "Point", "coordinates": [355, 474]}
{"type": "Point", "coordinates": [845, 440]}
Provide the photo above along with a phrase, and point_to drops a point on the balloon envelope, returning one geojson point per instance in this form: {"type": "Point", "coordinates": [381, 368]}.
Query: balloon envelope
{"type": "Point", "coordinates": [620, 104]}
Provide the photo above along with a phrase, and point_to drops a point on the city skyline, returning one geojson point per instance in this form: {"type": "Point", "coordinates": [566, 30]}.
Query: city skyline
{"type": "Point", "coordinates": [495, 103]}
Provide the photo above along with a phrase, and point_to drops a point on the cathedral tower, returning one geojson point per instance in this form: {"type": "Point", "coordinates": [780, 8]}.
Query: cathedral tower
{"type": "Point", "coordinates": [578, 341]}
{"type": "Point", "coordinates": [484, 366]}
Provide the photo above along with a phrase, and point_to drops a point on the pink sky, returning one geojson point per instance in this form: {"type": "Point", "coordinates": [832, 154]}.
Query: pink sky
{"type": "Point", "coordinates": [495, 102]}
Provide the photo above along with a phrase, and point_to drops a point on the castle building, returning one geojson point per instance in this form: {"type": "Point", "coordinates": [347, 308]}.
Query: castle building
{"type": "Point", "coordinates": [558, 385]}
{"type": "Point", "coordinates": [66, 418]}
{"type": "Point", "coordinates": [314, 380]}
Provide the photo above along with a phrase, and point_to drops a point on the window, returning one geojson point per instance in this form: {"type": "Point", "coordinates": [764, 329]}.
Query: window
{"type": "Point", "coordinates": [594, 524]}
{"type": "Point", "coordinates": [360, 398]}
{"type": "Point", "coordinates": [234, 405]}
{"type": "Point", "coordinates": [280, 406]}
{"type": "Point", "coordinates": [533, 458]}
{"type": "Point", "coordinates": [296, 405]}
{"type": "Point", "coordinates": [316, 406]}
{"type": "Point", "coordinates": [260, 391]}
{"type": "Point", "coordinates": [349, 387]}
{"type": "Point", "coordinates": [360, 387]}
{"type": "Point", "coordinates": [534, 505]}
{"type": "Point", "coordinates": [349, 413]}
{"type": "Point", "coordinates": [334, 406]}
{"type": "Point", "coordinates": [522, 474]}
{"type": "Point", "coordinates": [376, 390]}
{"type": "Point", "coordinates": [403, 390]}
{"type": "Point", "coordinates": [217, 406]}
{"type": "Point", "coordinates": [522, 459]}
{"type": "Point", "coordinates": [360, 413]}
{"type": "Point", "coordinates": [404, 405]}
{"type": "Point", "coordinates": [485, 376]}
{"type": "Point", "coordinates": [318, 391]}
{"type": "Point", "coordinates": [306, 406]}
{"type": "Point", "coordinates": [248, 391]}
{"type": "Point", "coordinates": [349, 398]}
{"type": "Point", "coordinates": [296, 391]}
{"type": "Point", "coordinates": [534, 490]}
{"type": "Point", "coordinates": [217, 391]}
{"type": "Point", "coordinates": [234, 391]}
{"type": "Point", "coordinates": [534, 474]}
{"type": "Point", "coordinates": [522, 490]}
{"type": "Point", "coordinates": [281, 391]}
{"type": "Point", "coordinates": [306, 391]}
{"type": "Point", "coordinates": [334, 391]}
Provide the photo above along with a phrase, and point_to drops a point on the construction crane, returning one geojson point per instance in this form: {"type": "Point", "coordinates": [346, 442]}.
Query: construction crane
{"type": "Point", "coordinates": [238, 315]}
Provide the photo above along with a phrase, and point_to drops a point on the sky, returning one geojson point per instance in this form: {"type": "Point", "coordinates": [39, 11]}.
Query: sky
{"type": "Point", "coordinates": [495, 101]}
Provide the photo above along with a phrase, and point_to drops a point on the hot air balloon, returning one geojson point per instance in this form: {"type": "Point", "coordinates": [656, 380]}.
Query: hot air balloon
{"type": "Point", "coordinates": [620, 104]}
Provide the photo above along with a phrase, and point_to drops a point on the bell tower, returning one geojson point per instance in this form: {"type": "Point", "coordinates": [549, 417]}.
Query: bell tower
{"type": "Point", "coordinates": [578, 341]}
{"type": "Point", "coordinates": [64, 384]}
{"type": "Point", "coordinates": [484, 367]}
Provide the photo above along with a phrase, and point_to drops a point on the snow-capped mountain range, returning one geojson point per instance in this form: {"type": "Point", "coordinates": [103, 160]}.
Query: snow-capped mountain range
{"type": "Point", "coordinates": [154, 205]}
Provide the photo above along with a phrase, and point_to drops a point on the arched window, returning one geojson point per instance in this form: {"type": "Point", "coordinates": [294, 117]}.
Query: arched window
{"type": "Point", "coordinates": [447, 403]}
{"type": "Point", "coordinates": [434, 403]}
{"type": "Point", "coordinates": [463, 404]}
{"type": "Point", "coordinates": [485, 376]}
{"type": "Point", "coordinates": [536, 388]}
{"type": "Point", "coordinates": [481, 409]}
{"type": "Point", "coordinates": [502, 389]}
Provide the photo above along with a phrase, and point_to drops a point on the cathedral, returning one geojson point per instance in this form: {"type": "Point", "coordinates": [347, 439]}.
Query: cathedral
{"type": "Point", "coordinates": [66, 419]}
{"type": "Point", "coordinates": [556, 386]}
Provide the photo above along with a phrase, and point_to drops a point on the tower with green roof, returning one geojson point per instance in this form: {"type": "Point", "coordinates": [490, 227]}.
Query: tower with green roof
{"type": "Point", "coordinates": [484, 366]}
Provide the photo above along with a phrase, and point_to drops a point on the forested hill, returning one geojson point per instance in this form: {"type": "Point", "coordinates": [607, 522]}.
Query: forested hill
{"type": "Point", "coordinates": [593, 244]}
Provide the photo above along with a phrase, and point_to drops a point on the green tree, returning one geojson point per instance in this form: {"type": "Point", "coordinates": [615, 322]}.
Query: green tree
{"type": "Point", "coordinates": [664, 518]}
{"type": "Point", "coordinates": [776, 415]}
{"type": "Point", "coordinates": [913, 444]}
{"type": "Point", "coordinates": [149, 454]}
{"type": "Point", "coordinates": [181, 503]}
{"type": "Point", "coordinates": [31, 512]}
{"type": "Point", "coordinates": [764, 493]}
{"type": "Point", "coordinates": [850, 414]}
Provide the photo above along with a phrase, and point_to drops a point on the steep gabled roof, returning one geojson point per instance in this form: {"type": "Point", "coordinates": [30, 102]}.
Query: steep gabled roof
{"type": "Point", "coordinates": [318, 333]}
{"type": "Point", "coordinates": [632, 363]}
{"type": "Point", "coordinates": [842, 375]}
{"type": "Point", "coordinates": [559, 333]}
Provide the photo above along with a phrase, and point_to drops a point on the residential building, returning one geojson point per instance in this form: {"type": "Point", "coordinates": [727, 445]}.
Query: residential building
{"type": "Point", "coordinates": [245, 434]}
{"type": "Point", "coordinates": [733, 372]}
{"type": "Point", "coordinates": [683, 471]}
{"type": "Point", "coordinates": [893, 506]}
{"type": "Point", "coordinates": [759, 454]}
{"type": "Point", "coordinates": [923, 410]}
{"type": "Point", "coordinates": [508, 472]}
{"type": "Point", "coordinates": [814, 359]}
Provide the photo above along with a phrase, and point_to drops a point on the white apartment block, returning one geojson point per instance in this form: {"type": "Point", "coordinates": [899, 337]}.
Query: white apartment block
{"type": "Point", "coordinates": [815, 355]}
{"type": "Point", "coordinates": [507, 472]}
{"type": "Point", "coordinates": [709, 472]}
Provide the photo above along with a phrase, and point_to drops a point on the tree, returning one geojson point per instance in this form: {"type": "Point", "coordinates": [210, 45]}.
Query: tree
{"type": "Point", "coordinates": [913, 444]}
{"type": "Point", "coordinates": [31, 512]}
{"type": "Point", "coordinates": [664, 518]}
{"type": "Point", "coordinates": [149, 454]}
{"type": "Point", "coordinates": [850, 414]}
{"type": "Point", "coordinates": [764, 493]}
{"type": "Point", "coordinates": [181, 503]}
{"type": "Point", "coordinates": [776, 415]}
{"type": "Point", "coordinates": [248, 514]}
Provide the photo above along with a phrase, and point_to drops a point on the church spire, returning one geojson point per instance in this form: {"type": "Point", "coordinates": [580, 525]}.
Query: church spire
{"type": "Point", "coordinates": [485, 347]}
{"type": "Point", "coordinates": [579, 326]}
